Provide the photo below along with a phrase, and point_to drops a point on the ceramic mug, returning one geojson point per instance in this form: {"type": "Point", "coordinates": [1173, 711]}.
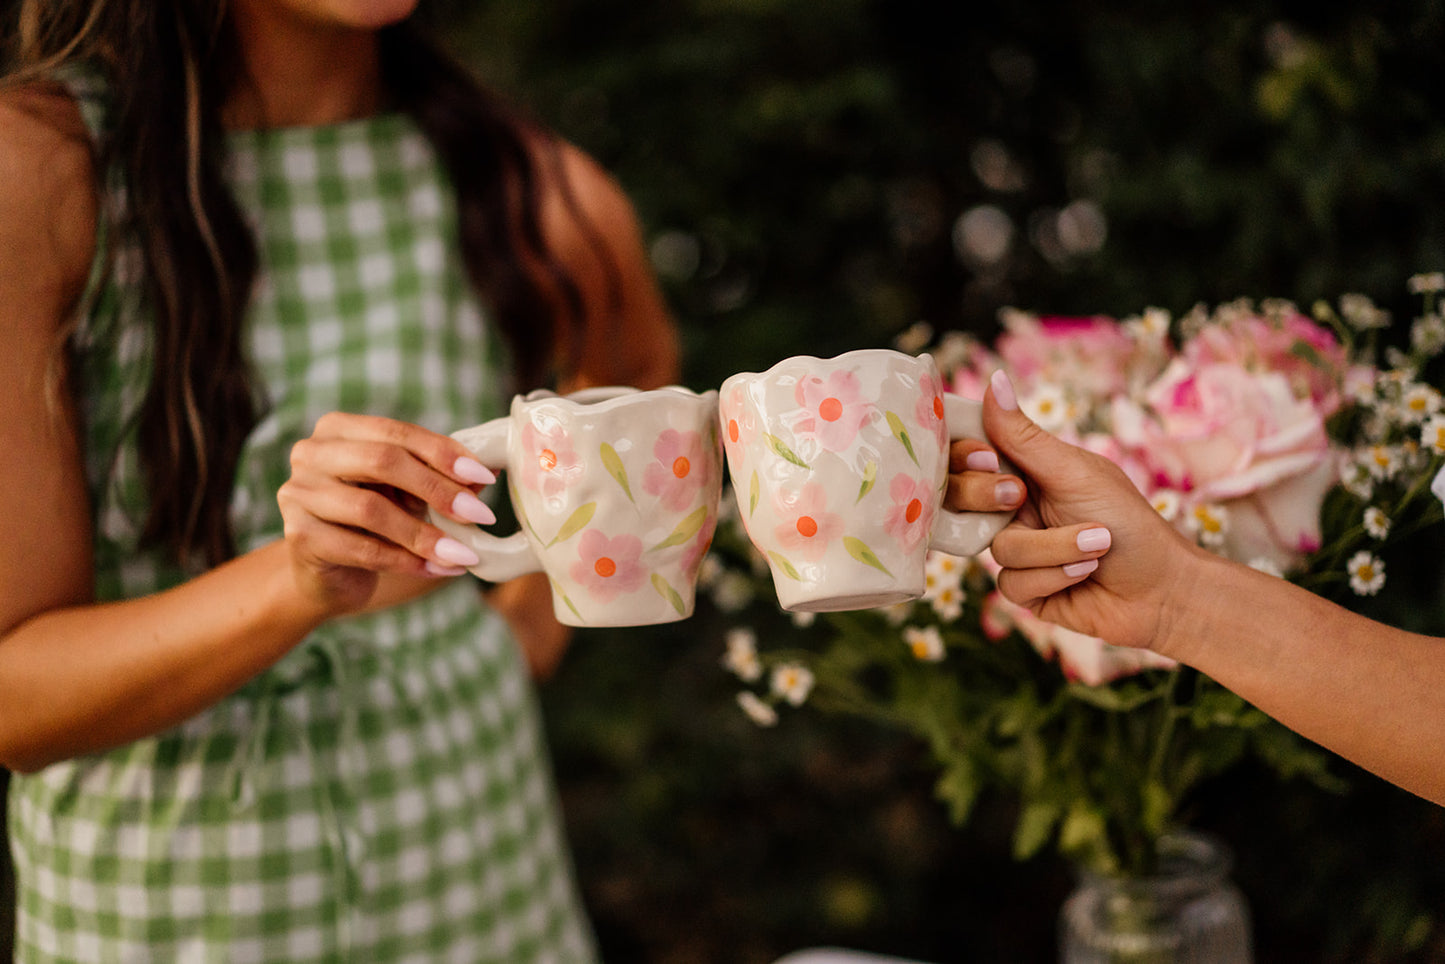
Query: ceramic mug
{"type": "Point", "coordinates": [839, 467]}
{"type": "Point", "coordinates": [616, 491]}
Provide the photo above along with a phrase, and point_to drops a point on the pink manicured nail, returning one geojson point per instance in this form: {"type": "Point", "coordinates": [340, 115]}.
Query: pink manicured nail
{"type": "Point", "coordinates": [450, 550]}
{"type": "Point", "coordinates": [1092, 540]}
{"type": "Point", "coordinates": [1075, 569]}
{"type": "Point", "coordinates": [473, 509]}
{"type": "Point", "coordinates": [1007, 493]}
{"type": "Point", "coordinates": [1003, 391]}
{"type": "Point", "coordinates": [437, 569]}
{"type": "Point", "coordinates": [473, 471]}
{"type": "Point", "coordinates": [984, 460]}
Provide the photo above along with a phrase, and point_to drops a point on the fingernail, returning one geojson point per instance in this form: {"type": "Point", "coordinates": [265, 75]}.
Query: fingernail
{"type": "Point", "coordinates": [473, 471]}
{"type": "Point", "coordinates": [450, 550]}
{"type": "Point", "coordinates": [1003, 391]}
{"type": "Point", "coordinates": [469, 507]}
{"type": "Point", "coordinates": [1007, 493]}
{"type": "Point", "coordinates": [437, 569]}
{"type": "Point", "coordinates": [1092, 540]}
{"type": "Point", "coordinates": [1075, 569]}
{"type": "Point", "coordinates": [983, 460]}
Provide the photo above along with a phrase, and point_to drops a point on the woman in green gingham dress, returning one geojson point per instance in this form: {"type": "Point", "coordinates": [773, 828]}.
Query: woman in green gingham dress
{"type": "Point", "coordinates": [255, 714]}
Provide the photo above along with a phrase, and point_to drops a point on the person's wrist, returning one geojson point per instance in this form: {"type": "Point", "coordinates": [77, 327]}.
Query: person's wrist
{"type": "Point", "coordinates": [1189, 607]}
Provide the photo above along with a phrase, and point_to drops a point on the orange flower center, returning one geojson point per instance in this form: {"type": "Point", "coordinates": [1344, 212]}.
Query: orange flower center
{"type": "Point", "coordinates": [681, 466]}
{"type": "Point", "coordinates": [938, 405]}
{"type": "Point", "coordinates": [547, 460]}
{"type": "Point", "coordinates": [604, 567]}
{"type": "Point", "coordinates": [807, 526]}
{"type": "Point", "coordinates": [831, 410]}
{"type": "Point", "coordinates": [914, 510]}
{"type": "Point", "coordinates": [733, 429]}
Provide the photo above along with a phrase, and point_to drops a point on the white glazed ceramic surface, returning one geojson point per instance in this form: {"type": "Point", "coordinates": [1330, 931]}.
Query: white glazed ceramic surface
{"type": "Point", "coordinates": [617, 493]}
{"type": "Point", "coordinates": [839, 468]}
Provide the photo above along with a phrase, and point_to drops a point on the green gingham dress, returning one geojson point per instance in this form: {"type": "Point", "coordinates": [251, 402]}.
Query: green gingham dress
{"type": "Point", "coordinates": [383, 792]}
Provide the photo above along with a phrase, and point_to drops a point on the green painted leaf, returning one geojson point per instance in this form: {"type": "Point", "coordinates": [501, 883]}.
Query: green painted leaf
{"type": "Point", "coordinates": [575, 523]}
{"type": "Point", "coordinates": [557, 588]}
{"type": "Point", "coordinates": [895, 425]}
{"type": "Point", "coordinates": [781, 448]}
{"type": "Point", "coordinates": [613, 463]}
{"type": "Point", "coordinates": [753, 495]}
{"type": "Point", "coordinates": [783, 564]}
{"type": "Point", "coordinates": [686, 529]}
{"type": "Point", "coordinates": [859, 550]}
{"type": "Point", "coordinates": [870, 476]}
{"type": "Point", "coordinates": [665, 590]}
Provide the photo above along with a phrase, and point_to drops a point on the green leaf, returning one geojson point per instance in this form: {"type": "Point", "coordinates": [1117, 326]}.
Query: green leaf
{"type": "Point", "coordinates": [753, 495]}
{"type": "Point", "coordinates": [613, 463]}
{"type": "Point", "coordinates": [959, 789]}
{"type": "Point", "coordinates": [557, 588]}
{"type": "Point", "coordinates": [686, 529]}
{"type": "Point", "coordinates": [781, 448]}
{"type": "Point", "coordinates": [575, 523]}
{"type": "Point", "coordinates": [895, 425]}
{"type": "Point", "coordinates": [859, 550]}
{"type": "Point", "coordinates": [1035, 826]}
{"type": "Point", "coordinates": [870, 476]}
{"type": "Point", "coordinates": [665, 590]}
{"type": "Point", "coordinates": [783, 564]}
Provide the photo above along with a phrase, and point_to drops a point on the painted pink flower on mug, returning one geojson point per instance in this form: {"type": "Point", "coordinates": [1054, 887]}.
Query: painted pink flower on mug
{"type": "Point", "coordinates": [806, 527]}
{"type": "Point", "coordinates": [674, 475]}
{"type": "Point", "coordinates": [928, 413]}
{"type": "Point", "coordinates": [910, 516]}
{"type": "Point", "coordinates": [608, 566]}
{"type": "Point", "coordinates": [549, 463]}
{"type": "Point", "coordinates": [834, 409]}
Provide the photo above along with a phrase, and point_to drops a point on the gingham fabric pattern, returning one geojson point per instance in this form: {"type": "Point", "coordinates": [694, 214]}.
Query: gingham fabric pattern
{"type": "Point", "coordinates": [383, 793]}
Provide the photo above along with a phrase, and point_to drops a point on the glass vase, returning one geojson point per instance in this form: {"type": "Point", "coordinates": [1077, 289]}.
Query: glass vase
{"type": "Point", "coordinates": [1188, 912]}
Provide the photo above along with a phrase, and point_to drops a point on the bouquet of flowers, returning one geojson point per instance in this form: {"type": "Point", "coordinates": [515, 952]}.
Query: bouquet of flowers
{"type": "Point", "coordinates": [1297, 444]}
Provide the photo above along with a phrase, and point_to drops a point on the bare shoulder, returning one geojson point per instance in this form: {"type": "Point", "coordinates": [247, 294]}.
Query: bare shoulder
{"type": "Point", "coordinates": [47, 193]}
{"type": "Point", "coordinates": [579, 185]}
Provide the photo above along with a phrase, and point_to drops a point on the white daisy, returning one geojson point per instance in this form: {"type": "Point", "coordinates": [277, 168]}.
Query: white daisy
{"type": "Point", "coordinates": [1427, 334]}
{"type": "Point", "coordinates": [759, 711]}
{"type": "Point", "coordinates": [1430, 283]}
{"type": "Point", "coordinates": [1419, 403]}
{"type": "Point", "coordinates": [1356, 478]}
{"type": "Point", "coordinates": [803, 619]}
{"type": "Point", "coordinates": [1048, 406]}
{"type": "Point", "coordinates": [1383, 461]}
{"type": "Point", "coordinates": [1362, 313]}
{"type": "Point", "coordinates": [1432, 434]}
{"type": "Point", "coordinates": [1266, 566]}
{"type": "Point", "coordinates": [1367, 573]}
{"type": "Point", "coordinates": [925, 642]}
{"type": "Point", "coordinates": [1208, 521]}
{"type": "Point", "coordinates": [793, 682]}
{"type": "Point", "coordinates": [1166, 502]}
{"type": "Point", "coordinates": [1377, 524]}
{"type": "Point", "coordinates": [947, 601]}
{"type": "Point", "coordinates": [742, 654]}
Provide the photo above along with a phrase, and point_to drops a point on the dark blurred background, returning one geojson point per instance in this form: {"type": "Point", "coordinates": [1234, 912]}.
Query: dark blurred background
{"type": "Point", "coordinates": [817, 176]}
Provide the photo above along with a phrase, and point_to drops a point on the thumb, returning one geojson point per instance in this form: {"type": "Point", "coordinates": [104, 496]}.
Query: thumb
{"type": "Point", "coordinates": [1016, 436]}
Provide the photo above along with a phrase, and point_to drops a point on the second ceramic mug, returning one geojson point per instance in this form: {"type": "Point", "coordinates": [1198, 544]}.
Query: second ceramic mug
{"type": "Point", "coordinates": [839, 467]}
{"type": "Point", "coordinates": [617, 494]}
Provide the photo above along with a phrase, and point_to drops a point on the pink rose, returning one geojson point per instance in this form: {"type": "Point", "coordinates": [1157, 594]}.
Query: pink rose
{"type": "Point", "coordinates": [606, 567]}
{"type": "Point", "coordinates": [1221, 433]}
{"type": "Point", "coordinates": [1307, 354]}
{"type": "Point", "coordinates": [1090, 355]}
{"type": "Point", "coordinates": [834, 409]}
{"type": "Point", "coordinates": [677, 473]}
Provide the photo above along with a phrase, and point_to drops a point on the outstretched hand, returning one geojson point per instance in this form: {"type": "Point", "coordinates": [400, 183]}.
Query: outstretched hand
{"type": "Point", "coordinates": [1086, 550]}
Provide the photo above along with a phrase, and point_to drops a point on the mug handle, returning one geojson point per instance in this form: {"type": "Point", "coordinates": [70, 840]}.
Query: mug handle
{"type": "Point", "coordinates": [966, 533]}
{"type": "Point", "coordinates": [503, 557]}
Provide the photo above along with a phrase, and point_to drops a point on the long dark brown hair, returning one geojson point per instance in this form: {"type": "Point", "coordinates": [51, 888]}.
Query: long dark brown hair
{"type": "Point", "coordinates": [174, 63]}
